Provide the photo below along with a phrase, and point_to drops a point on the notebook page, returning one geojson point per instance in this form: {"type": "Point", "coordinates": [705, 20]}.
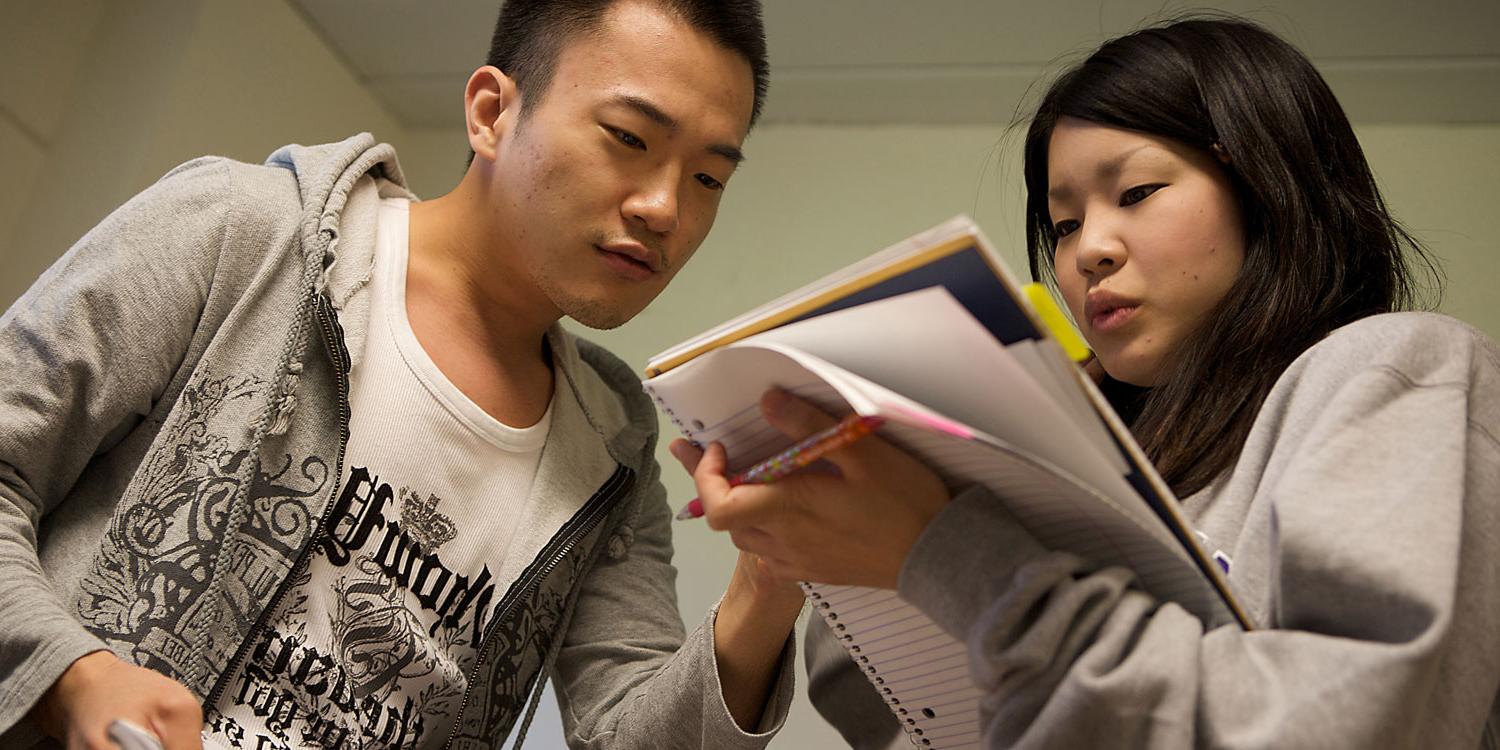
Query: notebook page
{"type": "Point", "coordinates": [958, 226]}
{"type": "Point", "coordinates": [716, 398]}
{"type": "Point", "coordinates": [949, 363]}
{"type": "Point", "coordinates": [1054, 372]}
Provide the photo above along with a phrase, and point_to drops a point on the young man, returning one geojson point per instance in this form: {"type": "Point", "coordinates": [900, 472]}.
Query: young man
{"type": "Point", "coordinates": [282, 452]}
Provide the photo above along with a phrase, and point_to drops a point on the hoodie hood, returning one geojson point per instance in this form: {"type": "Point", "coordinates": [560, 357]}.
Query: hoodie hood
{"type": "Point", "coordinates": [340, 186]}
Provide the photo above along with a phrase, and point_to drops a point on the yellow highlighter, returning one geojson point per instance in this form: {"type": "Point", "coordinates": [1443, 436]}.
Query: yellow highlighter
{"type": "Point", "coordinates": [1062, 329]}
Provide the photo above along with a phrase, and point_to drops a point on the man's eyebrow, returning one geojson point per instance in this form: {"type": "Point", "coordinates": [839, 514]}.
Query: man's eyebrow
{"type": "Point", "coordinates": [655, 114]}
{"type": "Point", "coordinates": [649, 110]}
{"type": "Point", "coordinates": [734, 155]}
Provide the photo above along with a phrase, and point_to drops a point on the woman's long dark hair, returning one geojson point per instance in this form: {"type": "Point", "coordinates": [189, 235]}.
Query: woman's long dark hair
{"type": "Point", "coordinates": [1321, 249]}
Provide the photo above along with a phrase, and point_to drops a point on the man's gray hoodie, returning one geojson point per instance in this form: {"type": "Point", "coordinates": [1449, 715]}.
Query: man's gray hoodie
{"type": "Point", "coordinates": [172, 420]}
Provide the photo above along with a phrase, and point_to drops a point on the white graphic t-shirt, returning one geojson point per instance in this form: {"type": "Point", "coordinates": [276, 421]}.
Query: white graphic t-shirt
{"type": "Point", "coordinates": [372, 645]}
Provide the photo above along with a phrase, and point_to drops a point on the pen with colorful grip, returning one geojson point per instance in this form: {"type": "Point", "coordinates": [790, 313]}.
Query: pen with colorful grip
{"type": "Point", "coordinates": [797, 457]}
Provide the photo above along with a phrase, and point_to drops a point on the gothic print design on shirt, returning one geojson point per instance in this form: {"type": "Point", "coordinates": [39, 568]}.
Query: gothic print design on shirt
{"type": "Point", "coordinates": [382, 657]}
{"type": "Point", "coordinates": [157, 555]}
{"type": "Point", "coordinates": [378, 637]}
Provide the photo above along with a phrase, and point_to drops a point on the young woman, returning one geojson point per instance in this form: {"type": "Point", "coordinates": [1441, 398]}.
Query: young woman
{"type": "Point", "coordinates": [1203, 206]}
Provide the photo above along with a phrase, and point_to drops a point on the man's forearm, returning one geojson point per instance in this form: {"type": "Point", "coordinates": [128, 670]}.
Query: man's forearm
{"type": "Point", "coordinates": [750, 632]}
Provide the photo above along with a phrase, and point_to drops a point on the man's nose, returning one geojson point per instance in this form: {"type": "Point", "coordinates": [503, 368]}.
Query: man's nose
{"type": "Point", "coordinates": [654, 204]}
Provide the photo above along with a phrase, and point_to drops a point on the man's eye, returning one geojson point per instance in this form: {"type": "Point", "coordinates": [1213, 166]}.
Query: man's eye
{"type": "Point", "coordinates": [628, 138]}
{"type": "Point", "coordinates": [1138, 194]}
{"type": "Point", "coordinates": [1064, 228]}
{"type": "Point", "coordinates": [709, 182]}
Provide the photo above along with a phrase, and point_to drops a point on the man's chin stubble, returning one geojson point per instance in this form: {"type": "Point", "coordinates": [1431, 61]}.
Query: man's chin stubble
{"type": "Point", "coordinates": [597, 316]}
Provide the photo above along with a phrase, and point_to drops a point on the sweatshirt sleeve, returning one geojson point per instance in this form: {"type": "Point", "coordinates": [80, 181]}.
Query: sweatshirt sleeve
{"type": "Point", "coordinates": [1381, 557]}
{"type": "Point", "coordinates": [85, 354]}
{"type": "Point", "coordinates": [628, 678]}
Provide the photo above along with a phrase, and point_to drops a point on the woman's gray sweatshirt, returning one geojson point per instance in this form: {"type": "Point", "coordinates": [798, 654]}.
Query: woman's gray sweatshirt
{"type": "Point", "coordinates": [1362, 528]}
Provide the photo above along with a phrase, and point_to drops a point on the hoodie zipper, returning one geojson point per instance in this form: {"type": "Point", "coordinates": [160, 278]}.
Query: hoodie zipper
{"type": "Point", "coordinates": [557, 549]}
{"type": "Point", "coordinates": [333, 344]}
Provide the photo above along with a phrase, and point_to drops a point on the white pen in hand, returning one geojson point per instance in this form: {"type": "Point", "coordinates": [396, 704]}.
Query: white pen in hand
{"type": "Point", "coordinates": [130, 736]}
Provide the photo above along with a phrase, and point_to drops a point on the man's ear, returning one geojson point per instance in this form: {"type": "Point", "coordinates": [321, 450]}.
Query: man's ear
{"type": "Point", "coordinates": [491, 104]}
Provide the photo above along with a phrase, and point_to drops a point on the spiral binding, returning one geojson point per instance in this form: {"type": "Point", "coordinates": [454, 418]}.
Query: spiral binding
{"type": "Point", "coordinates": [684, 428]}
{"type": "Point", "coordinates": [902, 713]}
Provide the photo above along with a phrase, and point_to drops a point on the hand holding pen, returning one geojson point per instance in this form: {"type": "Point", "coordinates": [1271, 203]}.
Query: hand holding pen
{"type": "Point", "coordinates": [801, 455]}
{"type": "Point", "coordinates": [854, 526]}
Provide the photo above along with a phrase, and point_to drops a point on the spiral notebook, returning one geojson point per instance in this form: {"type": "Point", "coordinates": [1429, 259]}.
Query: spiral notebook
{"type": "Point", "coordinates": [935, 337]}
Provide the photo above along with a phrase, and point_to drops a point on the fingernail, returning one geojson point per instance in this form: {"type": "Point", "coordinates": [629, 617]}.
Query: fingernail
{"type": "Point", "coordinates": [694, 509]}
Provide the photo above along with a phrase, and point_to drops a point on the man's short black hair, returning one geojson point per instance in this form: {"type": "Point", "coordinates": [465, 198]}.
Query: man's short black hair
{"type": "Point", "coordinates": [530, 35]}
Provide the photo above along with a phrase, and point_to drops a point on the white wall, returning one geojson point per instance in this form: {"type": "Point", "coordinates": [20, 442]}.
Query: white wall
{"type": "Point", "coordinates": [42, 49]}
{"type": "Point", "coordinates": [1442, 183]}
{"type": "Point", "coordinates": [812, 198]}
{"type": "Point", "coordinates": [98, 99]}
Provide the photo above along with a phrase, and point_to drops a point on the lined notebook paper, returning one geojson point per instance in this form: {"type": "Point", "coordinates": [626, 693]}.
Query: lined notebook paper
{"type": "Point", "coordinates": [979, 402]}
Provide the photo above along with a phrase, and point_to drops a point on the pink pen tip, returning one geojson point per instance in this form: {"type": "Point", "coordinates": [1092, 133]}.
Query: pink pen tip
{"type": "Point", "coordinates": [939, 424]}
{"type": "Point", "coordinates": [694, 509]}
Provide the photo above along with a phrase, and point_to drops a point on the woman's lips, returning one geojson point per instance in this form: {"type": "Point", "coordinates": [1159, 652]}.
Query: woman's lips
{"type": "Point", "coordinates": [1111, 318]}
{"type": "Point", "coordinates": [1106, 311]}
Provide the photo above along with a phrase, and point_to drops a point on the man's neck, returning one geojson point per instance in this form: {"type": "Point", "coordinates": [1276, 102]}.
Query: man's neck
{"type": "Point", "coordinates": [474, 316]}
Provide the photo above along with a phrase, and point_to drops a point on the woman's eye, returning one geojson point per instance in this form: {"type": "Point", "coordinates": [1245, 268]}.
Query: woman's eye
{"type": "Point", "coordinates": [1138, 194]}
{"type": "Point", "coordinates": [709, 182]}
{"type": "Point", "coordinates": [1064, 228]}
{"type": "Point", "coordinates": [628, 138]}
